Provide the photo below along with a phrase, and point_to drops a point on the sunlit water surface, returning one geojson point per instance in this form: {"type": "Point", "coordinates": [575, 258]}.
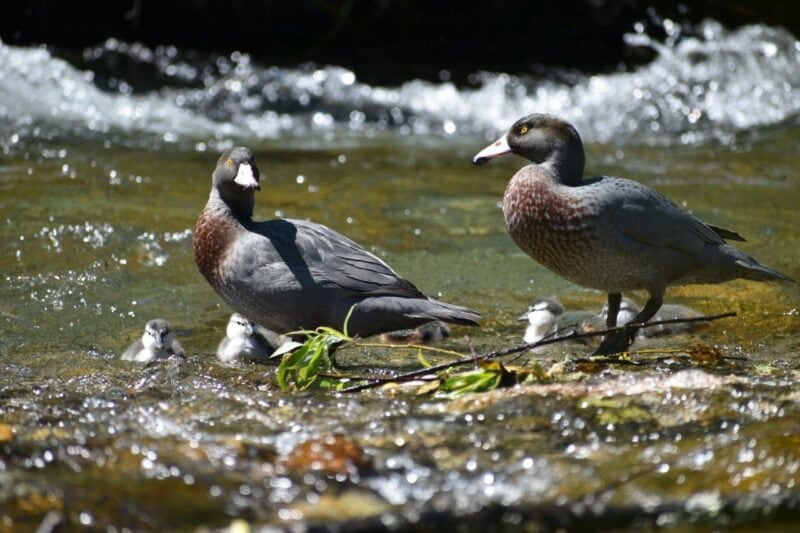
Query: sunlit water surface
{"type": "Point", "coordinates": [96, 218]}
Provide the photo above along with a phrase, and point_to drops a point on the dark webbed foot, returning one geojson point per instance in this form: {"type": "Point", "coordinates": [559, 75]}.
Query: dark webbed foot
{"type": "Point", "coordinates": [616, 342]}
{"type": "Point", "coordinates": [621, 340]}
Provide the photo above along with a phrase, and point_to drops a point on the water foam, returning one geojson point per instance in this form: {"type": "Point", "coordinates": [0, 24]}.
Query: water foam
{"type": "Point", "coordinates": [710, 85]}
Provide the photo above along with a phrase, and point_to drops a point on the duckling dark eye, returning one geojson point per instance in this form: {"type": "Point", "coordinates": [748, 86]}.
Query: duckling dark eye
{"type": "Point", "coordinates": [523, 130]}
{"type": "Point", "coordinates": [229, 163]}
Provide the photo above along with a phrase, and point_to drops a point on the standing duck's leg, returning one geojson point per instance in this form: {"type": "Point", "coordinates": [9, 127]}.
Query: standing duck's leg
{"type": "Point", "coordinates": [622, 340]}
{"type": "Point", "coordinates": [614, 300]}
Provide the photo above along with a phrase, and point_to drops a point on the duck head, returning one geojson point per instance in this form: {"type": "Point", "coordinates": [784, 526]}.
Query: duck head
{"type": "Point", "coordinates": [544, 310]}
{"type": "Point", "coordinates": [239, 327]}
{"type": "Point", "coordinates": [545, 140]}
{"type": "Point", "coordinates": [542, 316]}
{"type": "Point", "coordinates": [157, 335]}
{"type": "Point", "coordinates": [235, 178]}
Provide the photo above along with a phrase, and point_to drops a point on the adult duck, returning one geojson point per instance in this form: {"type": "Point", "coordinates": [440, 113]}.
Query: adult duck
{"type": "Point", "coordinates": [290, 274]}
{"type": "Point", "coordinates": [609, 234]}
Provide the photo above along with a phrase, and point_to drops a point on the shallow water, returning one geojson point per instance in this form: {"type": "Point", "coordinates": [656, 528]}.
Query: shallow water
{"type": "Point", "coordinates": [95, 239]}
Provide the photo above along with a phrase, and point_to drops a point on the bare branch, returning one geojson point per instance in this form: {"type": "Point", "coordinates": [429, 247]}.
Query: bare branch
{"type": "Point", "coordinates": [525, 347]}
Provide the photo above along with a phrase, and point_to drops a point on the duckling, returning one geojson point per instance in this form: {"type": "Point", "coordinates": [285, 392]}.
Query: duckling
{"type": "Point", "coordinates": [156, 343]}
{"type": "Point", "coordinates": [542, 316]}
{"type": "Point", "coordinates": [244, 340]}
{"type": "Point", "coordinates": [547, 317]}
{"type": "Point", "coordinates": [628, 311]}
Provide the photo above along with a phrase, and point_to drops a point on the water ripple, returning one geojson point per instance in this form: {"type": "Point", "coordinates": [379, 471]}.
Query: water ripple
{"type": "Point", "coordinates": [711, 84]}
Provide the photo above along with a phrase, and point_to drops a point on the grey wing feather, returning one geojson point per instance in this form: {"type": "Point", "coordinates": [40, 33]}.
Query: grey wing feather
{"type": "Point", "coordinates": [350, 266]}
{"type": "Point", "coordinates": [726, 233]}
{"type": "Point", "coordinates": [649, 217]}
{"type": "Point", "coordinates": [327, 257]}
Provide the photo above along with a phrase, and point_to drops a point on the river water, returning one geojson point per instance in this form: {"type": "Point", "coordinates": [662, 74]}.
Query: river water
{"type": "Point", "coordinates": [106, 162]}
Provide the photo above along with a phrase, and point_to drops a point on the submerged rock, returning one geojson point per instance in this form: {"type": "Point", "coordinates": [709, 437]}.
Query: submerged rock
{"type": "Point", "coordinates": [332, 454]}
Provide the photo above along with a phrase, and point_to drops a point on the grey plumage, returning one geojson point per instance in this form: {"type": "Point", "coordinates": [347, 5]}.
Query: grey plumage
{"type": "Point", "coordinates": [548, 318]}
{"type": "Point", "coordinates": [580, 321]}
{"type": "Point", "coordinates": [429, 332]}
{"type": "Point", "coordinates": [606, 233]}
{"type": "Point", "coordinates": [292, 274]}
{"type": "Point", "coordinates": [156, 343]}
{"type": "Point", "coordinates": [246, 341]}
{"type": "Point", "coordinates": [628, 311]}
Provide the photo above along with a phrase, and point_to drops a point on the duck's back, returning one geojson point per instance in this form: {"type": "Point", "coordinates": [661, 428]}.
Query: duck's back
{"type": "Point", "coordinates": [615, 234]}
{"type": "Point", "coordinates": [291, 274]}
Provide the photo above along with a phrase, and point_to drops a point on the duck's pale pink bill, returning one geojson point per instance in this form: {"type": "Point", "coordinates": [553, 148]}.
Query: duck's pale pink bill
{"type": "Point", "coordinates": [245, 177]}
{"type": "Point", "coordinates": [496, 149]}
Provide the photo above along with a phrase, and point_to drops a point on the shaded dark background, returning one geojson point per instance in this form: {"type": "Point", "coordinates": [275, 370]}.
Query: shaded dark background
{"type": "Point", "coordinates": [385, 40]}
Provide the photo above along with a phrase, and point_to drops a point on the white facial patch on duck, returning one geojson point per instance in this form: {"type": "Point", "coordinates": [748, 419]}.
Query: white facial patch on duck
{"type": "Point", "coordinates": [540, 325]}
{"type": "Point", "coordinates": [239, 327]}
{"type": "Point", "coordinates": [541, 306]}
{"type": "Point", "coordinates": [245, 177]}
{"type": "Point", "coordinates": [149, 339]}
{"type": "Point", "coordinates": [542, 317]}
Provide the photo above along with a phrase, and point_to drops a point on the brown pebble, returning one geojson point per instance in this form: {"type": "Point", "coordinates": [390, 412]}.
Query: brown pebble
{"type": "Point", "coordinates": [6, 433]}
{"type": "Point", "coordinates": [333, 454]}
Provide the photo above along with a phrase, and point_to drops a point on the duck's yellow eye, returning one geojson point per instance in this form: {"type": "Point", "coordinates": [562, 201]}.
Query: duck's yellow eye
{"type": "Point", "coordinates": [523, 130]}
{"type": "Point", "coordinates": [229, 162]}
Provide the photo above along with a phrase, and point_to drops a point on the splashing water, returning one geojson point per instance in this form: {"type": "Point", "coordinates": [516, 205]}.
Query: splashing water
{"type": "Point", "coordinates": [709, 86]}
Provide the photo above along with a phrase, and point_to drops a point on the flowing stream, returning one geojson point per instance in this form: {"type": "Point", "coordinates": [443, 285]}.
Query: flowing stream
{"type": "Point", "coordinates": [105, 163]}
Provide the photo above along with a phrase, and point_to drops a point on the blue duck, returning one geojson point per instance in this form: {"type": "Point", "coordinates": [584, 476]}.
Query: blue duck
{"type": "Point", "coordinates": [156, 343]}
{"type": "Point", "coordinates": [246, 341]}
{"type": "Point", "coordinates": [605, 233]}
{"type": "Point", "coordinates": [289, 274]}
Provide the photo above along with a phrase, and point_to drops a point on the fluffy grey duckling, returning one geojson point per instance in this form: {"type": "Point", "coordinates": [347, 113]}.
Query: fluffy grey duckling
{"type": "Point", "coordinates": [246, 341]}
{"type": "Point", "coordinates": [628, 311]}
{"type": "Point", "coordinates": [542, 316]}
{"type": "Point", "coordinates": [610, 234]}
{"type": "Point", "coordinates": [157, 343]}
{"type": "Point", "coordinates": [434, 331]}
{"type": "Point", "coordinates": [290, 274]}
{"type": "Point", "coordinates": [547, 317]}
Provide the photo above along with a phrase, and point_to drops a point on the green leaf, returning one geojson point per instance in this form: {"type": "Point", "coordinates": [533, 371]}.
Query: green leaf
{"type": "Point", "coordinates": [285, 348]}
{"type": "Point", "coordinates": [424, 362]}
{"type": "Point", "coordinates": [480, 380]}
{"type": "Point", "coordinates": [302, 363]}
{"type": "Point", "coordinates": [347, 320]}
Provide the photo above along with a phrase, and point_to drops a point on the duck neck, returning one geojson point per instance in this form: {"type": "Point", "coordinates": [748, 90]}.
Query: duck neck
{"type": "Point", "coordinates": [239, 205]}
{"type": "Point", "coordinates": [566, 163]}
